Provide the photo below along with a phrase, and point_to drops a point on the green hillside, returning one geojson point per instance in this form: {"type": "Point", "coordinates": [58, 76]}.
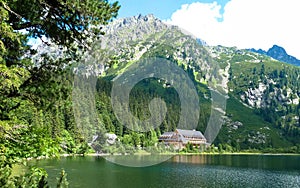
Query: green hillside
{"type": "Point", "coordinates": [262, 109]}
{"type": "Point", "coordinates": [263, 133]}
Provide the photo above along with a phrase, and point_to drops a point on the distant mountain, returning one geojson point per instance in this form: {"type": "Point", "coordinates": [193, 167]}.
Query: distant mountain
{"type": "Point", "coordinates": [278, 53]}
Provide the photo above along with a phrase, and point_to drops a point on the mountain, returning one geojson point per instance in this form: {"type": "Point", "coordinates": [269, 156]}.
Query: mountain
{"type": "Point", "coordinates": [262, 109]}
{"type": "Point", "coordinates": [279, 54]}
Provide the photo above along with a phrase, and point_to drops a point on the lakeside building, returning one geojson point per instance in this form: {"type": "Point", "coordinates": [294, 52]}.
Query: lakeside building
{"type": "Point", "coordinates": [180, 137]}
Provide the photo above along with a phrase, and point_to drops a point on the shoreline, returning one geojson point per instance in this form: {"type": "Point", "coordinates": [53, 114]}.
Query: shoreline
{"type": "Point", "coordinates": [148, 154]}
{"type": "Point", "coordinates": [178, 154]}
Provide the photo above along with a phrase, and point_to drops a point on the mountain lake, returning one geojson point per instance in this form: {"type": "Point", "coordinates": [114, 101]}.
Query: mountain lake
{"type": "Point", "coordinates": [179, 171]}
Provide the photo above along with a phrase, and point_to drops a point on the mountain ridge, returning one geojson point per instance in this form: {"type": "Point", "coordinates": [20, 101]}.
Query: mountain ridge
{"type": "Point", "coordinates": [278, 53]}
{"type": "Point", "coordinates": [263, 93]}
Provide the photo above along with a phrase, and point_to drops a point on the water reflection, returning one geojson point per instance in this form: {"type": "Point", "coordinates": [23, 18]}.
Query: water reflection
{"type": "Point", "coordinates": [180, 171]}
{"type": "Point", "coordinates": [195, 159]}
{"type": "Point", "coordinates": [268, 162]}
{"type": "Point", "coordinates": [137, 160]}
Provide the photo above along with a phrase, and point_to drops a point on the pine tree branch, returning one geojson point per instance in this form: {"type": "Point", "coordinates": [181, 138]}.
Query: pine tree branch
{"type": "Point", "coordinates": [9, 10]}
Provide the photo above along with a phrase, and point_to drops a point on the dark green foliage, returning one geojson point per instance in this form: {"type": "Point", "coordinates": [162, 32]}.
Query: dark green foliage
{"type": "Point", "coordinates": [189, 148]}
{"type": "Point", "coordinates": [140, 97]}
{"type": "Point", "coordinates": [62, 21]}
{"type": "Point", "coordinates": [34, 177]}
{"type": "Point", "coordinates": [62, 180]}
{"type": "Point", "coordinates": [35, 105]}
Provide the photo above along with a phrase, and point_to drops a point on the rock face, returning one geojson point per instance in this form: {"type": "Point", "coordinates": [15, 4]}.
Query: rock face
{"type": "Point", "coordinates": [133, 29]}
{"type": "Point", "coordinates": [254, 97]}
{"type": "Point", "coordinates": [130, 39]}
{"type": "Point", "coordinates": [278, 53]}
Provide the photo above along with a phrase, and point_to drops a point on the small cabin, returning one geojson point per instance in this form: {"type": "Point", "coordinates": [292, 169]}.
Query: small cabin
{"type": "Point", "coordinates": [180, 137]}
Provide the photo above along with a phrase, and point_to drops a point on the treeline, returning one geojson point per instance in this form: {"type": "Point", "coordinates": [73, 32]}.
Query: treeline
{"type": "Point", "coordinates": [229, 148]}
{"type": "Point", "coordinates": [140, 97]}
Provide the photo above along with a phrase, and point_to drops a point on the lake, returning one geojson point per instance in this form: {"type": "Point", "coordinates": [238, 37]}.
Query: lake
{"type": "Point", "coordinates": [180, 171]}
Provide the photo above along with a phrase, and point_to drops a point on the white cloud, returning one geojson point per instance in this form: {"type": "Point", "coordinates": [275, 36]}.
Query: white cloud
{"type": "Point", "coordinates": [244, 23]}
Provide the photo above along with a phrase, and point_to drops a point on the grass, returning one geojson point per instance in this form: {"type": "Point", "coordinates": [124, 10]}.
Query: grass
{"type": "Point", "coordinates": [252, 122]}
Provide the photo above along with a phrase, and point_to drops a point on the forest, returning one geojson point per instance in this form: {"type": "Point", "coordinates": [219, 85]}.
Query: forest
{"type": "Point", "coordinates": [37, 113]}
{"type": "Point", "coordinates": [36, 117]}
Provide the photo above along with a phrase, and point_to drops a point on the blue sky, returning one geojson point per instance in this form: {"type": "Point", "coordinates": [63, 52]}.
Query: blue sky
{"type": "Point", "coordinates": [240, 23]}
{"type": "Point", "coordinates": [162, 9]}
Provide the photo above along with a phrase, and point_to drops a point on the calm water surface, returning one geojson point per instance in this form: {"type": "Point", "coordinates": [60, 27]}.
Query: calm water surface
{"type": "Point", "coordinates": [181, 171]}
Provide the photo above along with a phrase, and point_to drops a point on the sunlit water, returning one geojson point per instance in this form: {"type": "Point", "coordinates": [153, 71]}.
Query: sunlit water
{"type": "Point", "coordinates": [181, 171]}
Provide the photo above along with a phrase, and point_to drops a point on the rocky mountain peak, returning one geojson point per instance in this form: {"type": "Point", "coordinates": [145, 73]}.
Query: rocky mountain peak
{"type": "Point", "coordinates": [136, 25]}
{"type": "Point", "coordinates": [277, 51]}
{"type": "Point", "coordinates": [280, 54]}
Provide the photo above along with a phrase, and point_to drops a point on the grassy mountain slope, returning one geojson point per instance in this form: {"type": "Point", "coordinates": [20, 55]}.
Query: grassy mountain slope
{"type": "Point", "coordinates": [263, 105]}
